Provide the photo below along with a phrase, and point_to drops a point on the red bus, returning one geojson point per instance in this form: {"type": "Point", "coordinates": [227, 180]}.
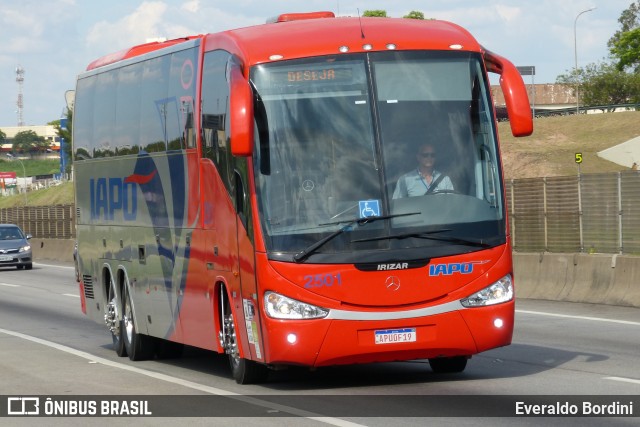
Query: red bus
{"type": "Point", "coordinates": [313, 191]}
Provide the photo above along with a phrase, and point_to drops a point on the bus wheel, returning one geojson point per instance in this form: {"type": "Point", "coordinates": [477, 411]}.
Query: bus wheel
{"type": "Point", "coordinates": [244, 371]}
{"type": "Point", "coordinates": [443, 365]}
{"type": "Point", "coordinates": [138, 346]}
{"type": "Point", "coordinates": [113, 321]}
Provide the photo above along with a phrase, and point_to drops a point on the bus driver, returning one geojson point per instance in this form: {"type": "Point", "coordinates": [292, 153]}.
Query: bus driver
{"type": "Point", "coordinates": [424, 178]}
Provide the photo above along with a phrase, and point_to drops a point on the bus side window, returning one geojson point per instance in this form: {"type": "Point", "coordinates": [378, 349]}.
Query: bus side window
{"type": "Point", "coordinates": [215, 102]}
{"type": "Point", "coordinates": [181, 92]}
{"type": "Point", "coordinates": [213, 134]}
{"type": "Point", "coordinates": [188, 132]}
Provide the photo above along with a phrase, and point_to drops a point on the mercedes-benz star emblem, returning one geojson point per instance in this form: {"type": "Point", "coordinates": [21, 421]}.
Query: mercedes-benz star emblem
{"type": "Point", "coordinates": [392, 283]}
{"type": "Point", "coordinates": [308, 185]}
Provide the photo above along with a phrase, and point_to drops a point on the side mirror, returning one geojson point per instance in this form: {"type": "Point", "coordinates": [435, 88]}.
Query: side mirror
{"type": "Point", "coordinates": [515, 94]}
{"type": "Point", "coordinates": [241, 111]}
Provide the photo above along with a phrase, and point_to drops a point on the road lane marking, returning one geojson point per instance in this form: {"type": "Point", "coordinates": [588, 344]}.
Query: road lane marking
{"type": "Point", "coordinates": [269, 406]}
{"type": "Point", "coordinates": [624, 380]}
{"type": "Point", "coordinates": [567, 316]}
{"type": "Point", "coordinates": [66, 267]}
{"type": "Point", "coordinates": [10, 285]}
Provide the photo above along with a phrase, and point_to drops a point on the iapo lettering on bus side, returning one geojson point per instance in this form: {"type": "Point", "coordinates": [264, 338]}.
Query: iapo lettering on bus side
{"type": "Point", "coordinates": [112, 196]}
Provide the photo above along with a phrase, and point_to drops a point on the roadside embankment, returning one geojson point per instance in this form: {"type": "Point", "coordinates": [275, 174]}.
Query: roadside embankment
{"type": "Point", "coordinates": [52, 249]}
{"type": "Point", "coordinates": [597, 279]}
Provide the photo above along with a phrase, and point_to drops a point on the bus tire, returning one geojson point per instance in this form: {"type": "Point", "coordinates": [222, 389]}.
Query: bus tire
{"type": "Point", "coordinates": [115, 323]}
{"type": "Point", "coordinates": [444, 365]}
{"type": "Point", "coordinates": [138, 346]}
{"type": "Point", "coordinates": [244, 371]}
{"type": "Point", "coordinates": [247, 371]}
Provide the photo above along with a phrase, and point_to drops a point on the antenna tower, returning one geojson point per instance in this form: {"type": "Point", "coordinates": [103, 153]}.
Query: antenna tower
{"type": "Point", "coordinates": [20, 81]}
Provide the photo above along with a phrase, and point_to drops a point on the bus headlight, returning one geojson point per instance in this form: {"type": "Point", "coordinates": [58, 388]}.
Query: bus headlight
{"type": "Point", "coordinates": [499, 292]}
{"type": "Point", "coordinates": [281, 307]}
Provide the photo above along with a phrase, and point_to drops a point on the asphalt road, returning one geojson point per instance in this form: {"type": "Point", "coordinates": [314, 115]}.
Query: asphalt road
{"type": "Point", "coordinates": [560, 350]}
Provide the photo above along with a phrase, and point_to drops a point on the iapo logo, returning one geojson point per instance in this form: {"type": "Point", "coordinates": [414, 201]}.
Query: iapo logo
{"type": "Point", "coordinates": [454, 268]}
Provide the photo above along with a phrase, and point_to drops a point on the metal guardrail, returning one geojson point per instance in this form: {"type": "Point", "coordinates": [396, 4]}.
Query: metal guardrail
{"type": "Point", "coordinates": [539, 112]}
{"type": "Point", "coordinates": [548, 112]}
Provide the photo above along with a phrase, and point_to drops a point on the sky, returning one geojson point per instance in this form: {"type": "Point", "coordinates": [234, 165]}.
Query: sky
{"type": "Point", "coordinates": [54, 40]}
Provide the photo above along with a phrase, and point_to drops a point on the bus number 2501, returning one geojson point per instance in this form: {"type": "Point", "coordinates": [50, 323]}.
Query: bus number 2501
{"type": "Point", "coordinates": [320, 280]}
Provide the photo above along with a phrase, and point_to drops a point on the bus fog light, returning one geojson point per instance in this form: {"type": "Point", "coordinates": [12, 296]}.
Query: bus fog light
{"type": "Point", "coordinates": [281, 307]}
{"type": "Point", "coordinates": [292, 338]}
{"type": "Point", "coordinates": [496, 293]}
{"type": "Point", "coordinates": [498, 323]}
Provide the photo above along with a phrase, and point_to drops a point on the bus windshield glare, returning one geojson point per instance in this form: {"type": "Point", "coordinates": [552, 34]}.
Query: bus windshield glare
{"type": "Point", "coordinates": [408, 136]}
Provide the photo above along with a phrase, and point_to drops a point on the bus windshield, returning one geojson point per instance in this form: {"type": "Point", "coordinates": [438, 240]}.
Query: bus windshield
{"type": "Point", "coordinates": [408, 136]}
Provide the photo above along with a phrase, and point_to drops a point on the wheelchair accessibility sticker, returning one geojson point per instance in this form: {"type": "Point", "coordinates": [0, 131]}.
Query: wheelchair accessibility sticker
{"type": "Point", "coordinates": [369, 208]}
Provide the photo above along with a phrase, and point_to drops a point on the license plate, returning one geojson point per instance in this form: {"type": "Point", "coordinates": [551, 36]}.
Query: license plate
{"type": "Point", "coordinates": [6, 258]}
{"type": "Point", "coordinates": [392, 336]}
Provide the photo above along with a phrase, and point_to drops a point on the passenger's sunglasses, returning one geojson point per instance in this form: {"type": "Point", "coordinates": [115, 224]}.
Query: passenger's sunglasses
{"type": "Point", "coordinates": [426, 155]}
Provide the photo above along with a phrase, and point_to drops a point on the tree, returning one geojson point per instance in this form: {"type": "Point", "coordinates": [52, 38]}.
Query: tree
{"type": "Point", "coordinates": [3, 137]}
{"type": "Point", "coordinates": [603, 84]}
{"type": "Point", "coordinates": [29, 141]}
{"type": "Point", "coordinates": [414, 14]}
{"type": "Point", "coordinates": [606, 85]}
{"type": "Point", "coordinates": [629, 19]}
{"type": "Point", "coordinates": [375, 13]}
{"type": "Point", "coordinates": [624, 45]}
{"type": "Point", "coordinates": [627, 50]}
{"type": "Point", "coordinates": [610, 83]}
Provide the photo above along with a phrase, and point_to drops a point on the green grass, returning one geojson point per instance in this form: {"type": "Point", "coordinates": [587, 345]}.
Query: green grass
{"type": "Point", "coordinates": [31, 167]}
{"type": "Point", "coordinates": [549, 151]}
{"type": "Point", "coordinates": [58, 195]}
{"type": "Point", "coordinates": [62, 194]}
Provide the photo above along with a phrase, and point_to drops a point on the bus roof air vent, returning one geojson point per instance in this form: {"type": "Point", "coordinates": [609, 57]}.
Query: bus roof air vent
{"type": "Point", "coordinates": [285, 17]}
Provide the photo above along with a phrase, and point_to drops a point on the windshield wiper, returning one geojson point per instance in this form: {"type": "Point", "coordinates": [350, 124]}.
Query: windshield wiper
{"type": "Point", "coordinates": [306, 252]}
{"type": "Point", "coordinates": [429, 235]}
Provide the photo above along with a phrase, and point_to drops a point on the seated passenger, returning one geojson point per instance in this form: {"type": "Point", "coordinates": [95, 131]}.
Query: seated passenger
{"type": "Point", "coordinates": [424, 178]}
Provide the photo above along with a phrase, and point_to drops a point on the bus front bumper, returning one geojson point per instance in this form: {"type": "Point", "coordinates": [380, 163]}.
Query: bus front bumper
{"type": "Point", "coordinates": [338, 341]}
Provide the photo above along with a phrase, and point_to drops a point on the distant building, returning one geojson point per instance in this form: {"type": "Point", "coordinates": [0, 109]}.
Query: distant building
{"type": "Point", "coordinates": [48, 132]}
{"type": "Point", "coordinates": [551, 99]}
{"type": "Point", "coordinates": [542, 97]}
